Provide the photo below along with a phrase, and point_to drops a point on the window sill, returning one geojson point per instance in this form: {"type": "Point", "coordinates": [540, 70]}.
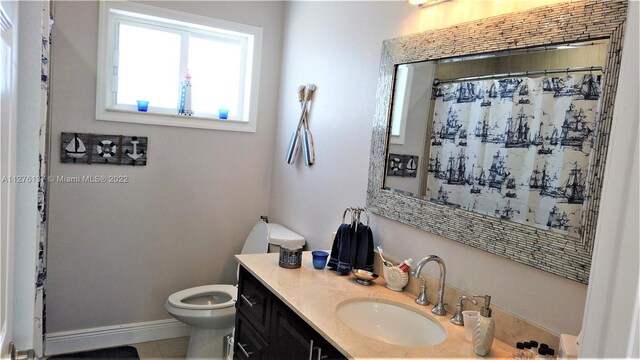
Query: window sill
{"type": "Point", "coordinates": [162, 119]}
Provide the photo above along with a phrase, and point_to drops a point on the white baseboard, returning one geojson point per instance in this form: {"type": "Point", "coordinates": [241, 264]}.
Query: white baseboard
{"type": "Point", "coordinates": [101, 337]}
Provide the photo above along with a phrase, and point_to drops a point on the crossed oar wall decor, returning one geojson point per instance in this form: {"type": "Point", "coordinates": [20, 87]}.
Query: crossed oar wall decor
{"type": "Point", "coordinates": [302, 134]}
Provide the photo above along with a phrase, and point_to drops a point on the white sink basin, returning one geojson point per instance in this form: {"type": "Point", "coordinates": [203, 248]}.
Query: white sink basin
{"type": "Point", "coordinates": [392, 324]}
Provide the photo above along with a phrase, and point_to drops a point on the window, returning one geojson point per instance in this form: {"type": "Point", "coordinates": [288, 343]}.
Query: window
{"type": "Point", "coordinates": [151, 54]}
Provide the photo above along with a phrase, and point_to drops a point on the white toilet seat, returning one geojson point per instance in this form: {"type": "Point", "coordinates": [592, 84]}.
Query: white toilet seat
{"type": "Point", "coordinates": [224, 296]}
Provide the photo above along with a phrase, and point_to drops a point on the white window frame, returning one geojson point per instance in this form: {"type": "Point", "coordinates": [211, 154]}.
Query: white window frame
{"type": "Point", "coordinates": [112, 12]}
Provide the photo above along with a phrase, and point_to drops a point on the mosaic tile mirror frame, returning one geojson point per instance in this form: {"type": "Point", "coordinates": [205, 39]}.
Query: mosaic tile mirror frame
{"type": "Point", "coordinates": [558, 252]}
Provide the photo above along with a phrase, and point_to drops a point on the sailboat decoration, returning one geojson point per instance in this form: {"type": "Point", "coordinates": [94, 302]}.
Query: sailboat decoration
{"type": "Point", "coordinates": [574, 129]}
{"type": "Point", "coordinates": [554, 139]}
{"type": "Point", "coordinates": [560, 87]}
{"type": "Point", "coordinates": [496, 172]}
{"type": "Point", "coordinates": [524, 101]}
{"type": "Point", "coordinates": [538, 140]}
{"type": "Point", "coordinates": [493, 91]}
{"type": "Point", "coordinates": [548, 85]}
{"type": "Point", "coordinates": [474, 189]}
{"type": "Point", "coordinates": [452, 126]}
{"type": "Point", "coordinates": [508, 87]}
{"type": "Point", "coordinates": [486, 102]}
{"type": "Point", "coordinates": [506, 213]}
{"type": "Point", "coordinates": [76, 148]}
{"type": "Point", "coordinates": [482, 130]}
{"type": "Point", "coordinates": [575, 186]}
{"type": "Point", "coordinates": [434, 164]}
{"type": "Point", "coordinates": [443, 196]}
{"type": "Point", "coordinates": [589, 87]}
{"type": "Point", "coordinates": [466, 93]}
{"type": "Point", "coordinates": [462, 136]}
{"type": "Point", "coordinates": [411, 165]}
{"type": "Point", "coordinates": [524, 91]}
{"type": "Point", "coordinates": [456, 169]}
{"type": "Point", "coordinates": [517, 132]}
{"type": "Point", "coordinates": [482, 179]}
{"type": "Point", "coordinates": [470, 175]}
{"type": "Point", "coordinates": [539, 180]}
{"type": "Point", "coordinates": [558, 220]}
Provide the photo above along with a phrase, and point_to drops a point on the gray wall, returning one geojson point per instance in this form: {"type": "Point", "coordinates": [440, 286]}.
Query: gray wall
{"type": "Point", "coordinates": [340, 52]}
{"type": "Point", "coordinates": [117, 251]}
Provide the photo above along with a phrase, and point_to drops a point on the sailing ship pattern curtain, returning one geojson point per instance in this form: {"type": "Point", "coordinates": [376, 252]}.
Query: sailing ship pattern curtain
{"type": "Point", "coordinates": [516, 148]}
{"type": "Point", "coordinates": [40, 300]}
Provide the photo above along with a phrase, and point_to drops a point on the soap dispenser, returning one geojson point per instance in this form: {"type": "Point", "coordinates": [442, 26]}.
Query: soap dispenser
{"type": "Point", "coordinates": [484, 329]}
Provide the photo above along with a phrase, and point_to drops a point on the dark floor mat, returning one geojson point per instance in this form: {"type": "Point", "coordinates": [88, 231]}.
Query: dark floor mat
{"type": "Point", "coordinates": [120, 352]}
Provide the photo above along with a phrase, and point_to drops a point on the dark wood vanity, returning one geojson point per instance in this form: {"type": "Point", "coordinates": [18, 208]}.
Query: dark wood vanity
{"type": "Point", "coordinates": [266, 328]}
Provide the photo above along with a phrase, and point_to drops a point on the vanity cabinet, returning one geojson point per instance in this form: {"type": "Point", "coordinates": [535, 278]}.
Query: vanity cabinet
{"type": "Point", "coordinates": [266, 328]}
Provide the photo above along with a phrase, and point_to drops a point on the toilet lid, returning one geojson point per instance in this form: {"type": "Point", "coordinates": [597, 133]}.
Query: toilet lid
{"type": "Point", "coordinates": [207, 297]}
{"type": "Point", "coordinates": [280, 235]}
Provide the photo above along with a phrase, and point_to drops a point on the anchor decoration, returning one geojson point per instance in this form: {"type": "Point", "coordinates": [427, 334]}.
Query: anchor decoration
{"type": "Point", "coordinates": [134, 154]}
{"type": "Point", "coordinates": [78, 148]}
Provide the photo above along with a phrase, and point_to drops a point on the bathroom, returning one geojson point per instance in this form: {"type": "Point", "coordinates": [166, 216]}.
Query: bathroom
{"type": "Point", "coordinates": [115, 252]}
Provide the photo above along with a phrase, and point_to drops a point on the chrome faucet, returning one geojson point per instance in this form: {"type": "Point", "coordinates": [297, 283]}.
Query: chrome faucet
{"type": "Point", "coordinates": [438, 309]}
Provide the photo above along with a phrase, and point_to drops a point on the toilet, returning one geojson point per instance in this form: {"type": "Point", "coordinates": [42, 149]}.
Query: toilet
{"type": "Point", "coordinates": [210, 309]}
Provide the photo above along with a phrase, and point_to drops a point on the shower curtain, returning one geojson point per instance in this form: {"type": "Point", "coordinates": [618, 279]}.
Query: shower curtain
{"type": "Point", "coordinates": [516, 148]}
{"type": "Point", "coordinates": [40, 300]}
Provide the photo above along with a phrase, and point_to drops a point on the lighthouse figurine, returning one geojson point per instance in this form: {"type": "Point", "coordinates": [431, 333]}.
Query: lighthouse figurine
{"type": "Point", "coordinates": [185, 96]}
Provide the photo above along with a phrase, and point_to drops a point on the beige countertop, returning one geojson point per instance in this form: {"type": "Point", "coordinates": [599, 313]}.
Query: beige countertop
{"type": "Point", "coordinates": [315, 295]}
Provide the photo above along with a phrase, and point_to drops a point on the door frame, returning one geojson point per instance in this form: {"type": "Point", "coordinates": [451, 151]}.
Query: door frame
{"type": "Point", "coordinates": [8, 103]}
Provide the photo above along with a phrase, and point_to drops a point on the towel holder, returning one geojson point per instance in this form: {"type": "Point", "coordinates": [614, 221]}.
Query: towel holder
{"type": "Point", "coordinates": [355, 216]}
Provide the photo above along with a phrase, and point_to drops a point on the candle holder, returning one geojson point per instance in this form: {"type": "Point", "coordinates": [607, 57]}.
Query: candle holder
{"type": "Point", "coordinates": [143, 105]}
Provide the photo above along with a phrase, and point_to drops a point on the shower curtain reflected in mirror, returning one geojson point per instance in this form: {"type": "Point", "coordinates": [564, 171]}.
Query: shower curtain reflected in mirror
{"type": "Point", "coordinates": [516, 148]}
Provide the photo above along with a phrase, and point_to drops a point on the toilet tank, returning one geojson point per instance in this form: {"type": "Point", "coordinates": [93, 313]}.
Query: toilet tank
{"type": "Point", "coordinates": [280, 235]}
{"type": "Point", "coordinates": [268, 237]}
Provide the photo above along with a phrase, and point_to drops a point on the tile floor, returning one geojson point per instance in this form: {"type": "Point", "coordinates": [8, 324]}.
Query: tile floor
{"type": "Point", "coordinates": [175, 348]}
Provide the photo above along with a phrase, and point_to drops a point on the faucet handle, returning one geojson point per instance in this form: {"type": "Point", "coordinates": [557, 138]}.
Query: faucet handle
{"type": "Point", "coordinates": [457, 318]}
{"type": "Point", "coordinates": [422, 297]}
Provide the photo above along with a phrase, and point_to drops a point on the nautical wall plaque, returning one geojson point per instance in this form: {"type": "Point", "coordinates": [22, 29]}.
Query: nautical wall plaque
{"type": "Point", "coordinates": [402, 165]}
{"type": "Point", "coordinates": [79, 148]}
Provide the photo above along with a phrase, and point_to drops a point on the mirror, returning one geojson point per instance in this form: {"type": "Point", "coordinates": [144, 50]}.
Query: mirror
{"type": "Point", "coordinates": [516, 147]}
{"type": "Point", "coordinates": [504, 143]}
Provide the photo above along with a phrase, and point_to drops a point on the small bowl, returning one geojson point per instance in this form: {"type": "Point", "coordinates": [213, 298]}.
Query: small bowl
{"type": "Point", "coordinates": [364, 277]}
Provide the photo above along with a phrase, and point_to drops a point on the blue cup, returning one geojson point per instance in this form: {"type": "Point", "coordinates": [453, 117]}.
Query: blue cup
{"type": "Point", "coordinates": [223, 113]}
{"type": "Point", "coordinates": [143, 105]}
{"type": "Point", "coordinates": [319, 259]}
